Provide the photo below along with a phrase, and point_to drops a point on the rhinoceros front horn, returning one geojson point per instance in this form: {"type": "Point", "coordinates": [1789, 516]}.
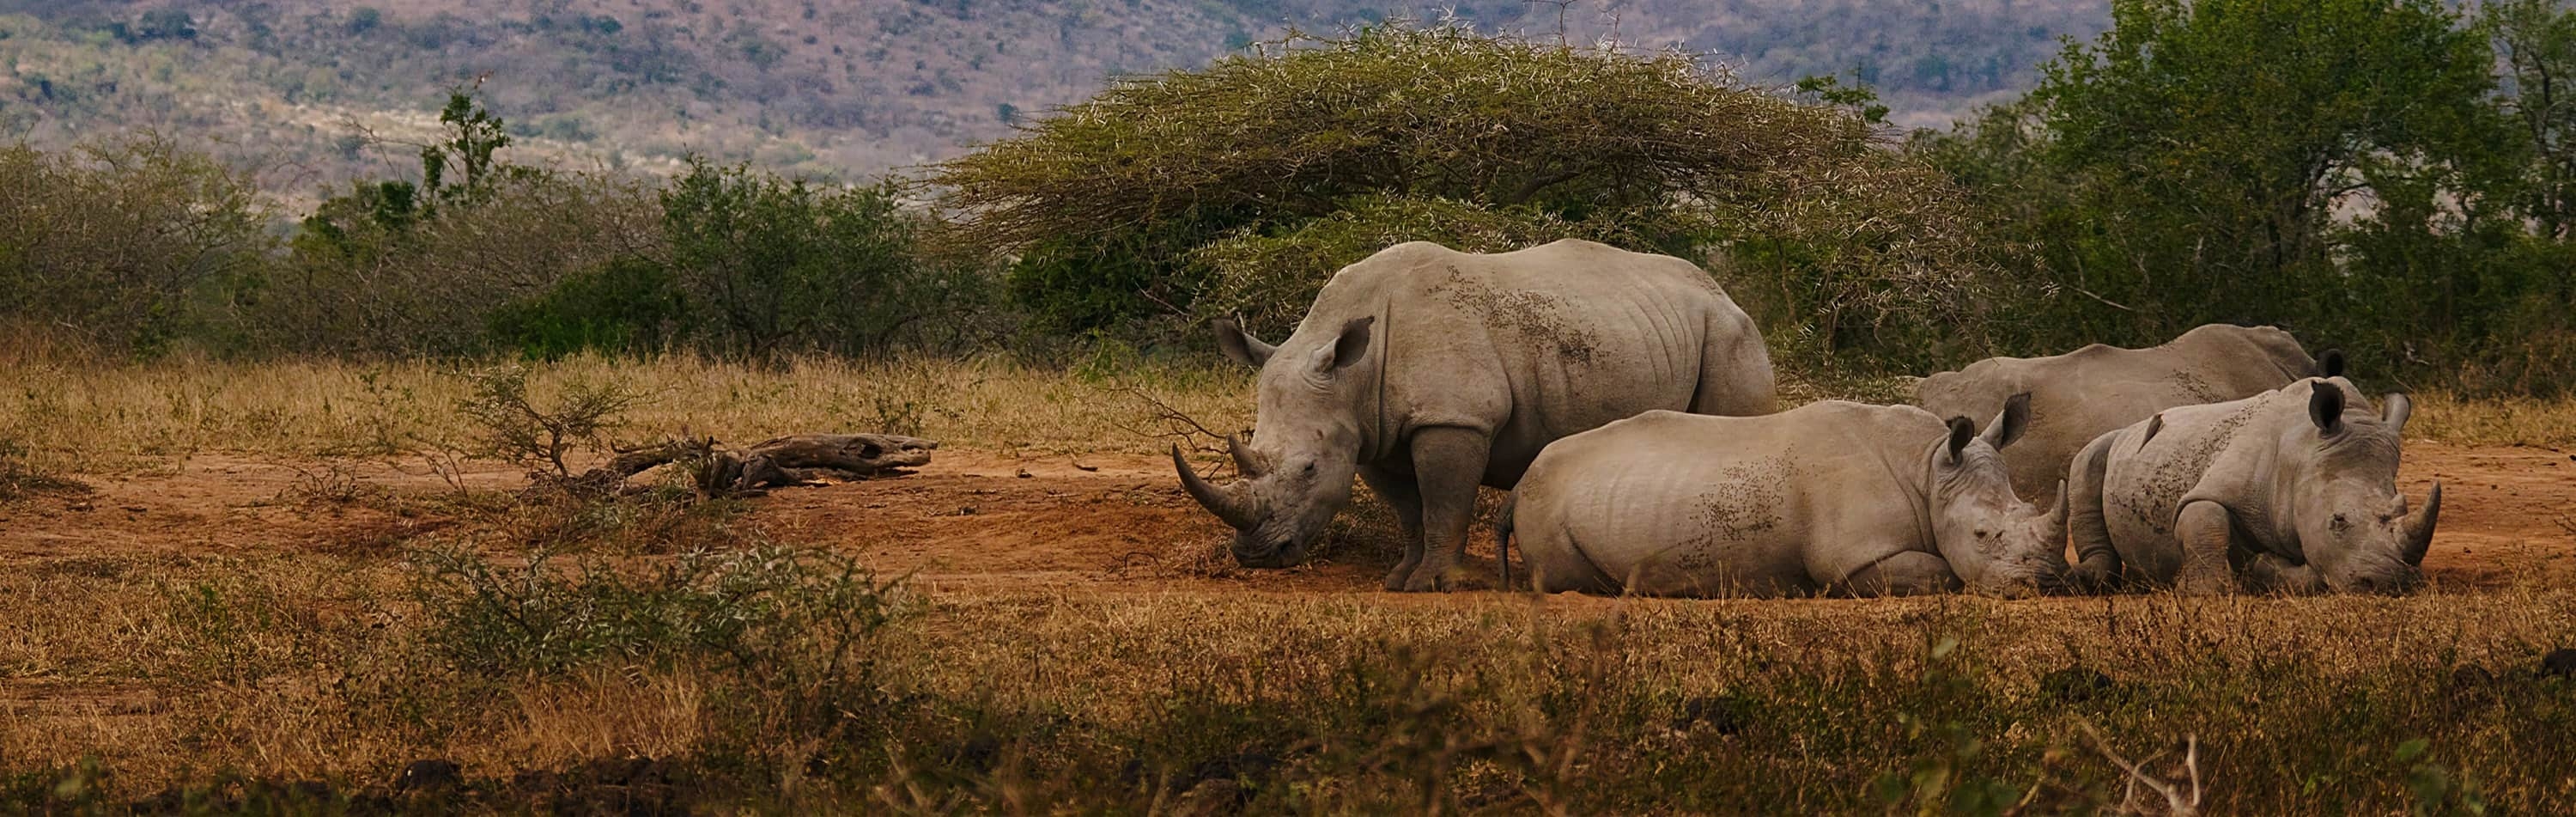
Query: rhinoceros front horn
{"type": "Point", "coordinates": [1225, 505]}
{"type": "Point", "coordinates": [2419, 527]}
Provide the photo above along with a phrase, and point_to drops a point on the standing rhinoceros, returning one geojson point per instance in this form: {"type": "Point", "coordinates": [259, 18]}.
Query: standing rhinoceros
{"type": "Point", "coordinates": [1834, 497]}
{"type": "Point", "coordinates": [2295, 489]}
{"type": "Point", "coordinates": [1430, 371]}
{"type": "Point", "coordinates": [2079, 395]}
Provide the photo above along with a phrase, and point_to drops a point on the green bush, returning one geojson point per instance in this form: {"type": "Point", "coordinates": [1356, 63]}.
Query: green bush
{"type": "Point", "coordinates": [628, 305]}
{"type": "Point", "coordinates": [770, 265]}
{"type": "Point", "coordinates": [480, 255]}
{"type": "Point", "coordinates": [2349, 169]}
{"type": "Point", "coordinates": [1242, 185]}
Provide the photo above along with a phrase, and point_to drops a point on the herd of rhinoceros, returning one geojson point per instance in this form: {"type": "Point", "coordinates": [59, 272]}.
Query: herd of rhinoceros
{"type": "Point", "coordinates": [1629, 405]}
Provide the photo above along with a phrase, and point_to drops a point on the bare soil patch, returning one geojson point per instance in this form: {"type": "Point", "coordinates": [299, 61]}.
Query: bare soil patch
{"type": "Point", "coordinates": [1088, 523]}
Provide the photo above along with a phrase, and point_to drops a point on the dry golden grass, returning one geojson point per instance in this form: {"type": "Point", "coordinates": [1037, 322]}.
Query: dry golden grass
{"type": "Point", "coordinates": [2444, 417]}
{"type": "Point", "coordinates": [106, 417]}
{"type": "Point", "coordinates": [110, 417]}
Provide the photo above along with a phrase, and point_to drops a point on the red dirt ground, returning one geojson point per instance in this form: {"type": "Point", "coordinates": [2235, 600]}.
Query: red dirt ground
{"type": "Point", "coordinates": [1096, 522]}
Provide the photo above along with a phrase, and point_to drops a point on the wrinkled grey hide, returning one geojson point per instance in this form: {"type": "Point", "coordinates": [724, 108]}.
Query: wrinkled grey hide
{"type": "Point", "coordinates": [1429, 372]}
{"type": "Point", "coordinates": [1830, 497]}
{"type": "Point", "coordinates": [2293, 489]}
{"type": "Point", "coordinates": [2080, 395]}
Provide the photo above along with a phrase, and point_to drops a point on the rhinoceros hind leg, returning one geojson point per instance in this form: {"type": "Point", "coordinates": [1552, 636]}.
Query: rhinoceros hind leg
{"type": "Point", "coordinates": [1405, 497]}
{"type": "Point", "coordinates": [2207, 533]}
{"type": "Point", "coordinates": [1448, 466]}
{"type": "Point", "coordinates": [1910, 573]}
{"type": "Point", "coordinates": [1734, 374]}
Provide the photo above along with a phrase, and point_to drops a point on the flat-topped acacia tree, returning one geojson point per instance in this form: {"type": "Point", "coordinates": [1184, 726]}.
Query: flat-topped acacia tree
{"type": "Point", "coordinates": [1239, 187]}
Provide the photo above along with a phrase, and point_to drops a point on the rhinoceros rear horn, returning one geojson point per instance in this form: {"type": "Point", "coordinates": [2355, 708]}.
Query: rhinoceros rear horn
{"type": "Point", "coordinates": [1245, 462]}
{"type": "Point", "coordinates": [2419, 527]}
{"type": "Point", "coordinates": [1226, 506]}
{"type": "Point", "coordinates": [2325, 406]}
{"type": "Point", "coordinates": [1961, 431]}
{"type": "Point", "coordinates": [2330, 363]}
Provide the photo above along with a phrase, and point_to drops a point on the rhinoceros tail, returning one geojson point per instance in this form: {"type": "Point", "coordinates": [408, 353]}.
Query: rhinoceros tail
{"type": "Point", "coordinates": [1503, 537]}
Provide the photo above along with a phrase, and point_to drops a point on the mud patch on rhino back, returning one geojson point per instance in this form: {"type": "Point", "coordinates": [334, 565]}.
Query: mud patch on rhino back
{"type": "Point", "coordinates": [1540, 319]}
{"type": "Point", "coordinates": [2201, 392]}
{"type": "Point", "coordinates": [1743, 501]}
{"type": "Point", "coordinates": [2153, 503]}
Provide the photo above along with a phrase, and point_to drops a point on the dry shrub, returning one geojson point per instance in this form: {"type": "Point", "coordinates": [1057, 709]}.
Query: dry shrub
{"type": "Point", "coordinates": [513, 426]}
{"type": "Point", "coordinates": [128, 243]}
{"type": "Point", "coordinates": [356, 287]}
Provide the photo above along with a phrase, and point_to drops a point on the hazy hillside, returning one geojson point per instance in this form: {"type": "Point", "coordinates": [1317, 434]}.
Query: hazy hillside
{"type": "Point", "coordinates": [844, 89]}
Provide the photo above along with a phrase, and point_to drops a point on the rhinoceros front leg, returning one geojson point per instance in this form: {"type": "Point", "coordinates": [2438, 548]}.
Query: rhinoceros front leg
{"type": "Point", "coordinates": [1909, 573]}
{"type": "Point", "coordinates": [2207, 533]}
{"type": "Point", "coordinates": [1448, 466]}
{"type": "Point", "coordinates": [1401, 493]}
{"type": "Point", "coordinates": [2266, 573]}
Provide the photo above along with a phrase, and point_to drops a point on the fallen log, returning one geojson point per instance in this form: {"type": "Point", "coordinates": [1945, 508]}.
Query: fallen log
{"type": "Point", "coordinates": [796, 459]}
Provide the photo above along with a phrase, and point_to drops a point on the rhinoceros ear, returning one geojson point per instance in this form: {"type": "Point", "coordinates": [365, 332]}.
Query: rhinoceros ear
{"type": "Point", "coordinates": [2009, 425]}
{"type": "Point", "coordinates": [1961, 431]}
{"type": "Point", "coordinates": [2330, 364]}
{"type": "Point", "coordinates": [1353, 344]}
{"type": "Point", "coordinates": [2325, 406]}
{"type": "Point", "coordinates": [1241, 346]}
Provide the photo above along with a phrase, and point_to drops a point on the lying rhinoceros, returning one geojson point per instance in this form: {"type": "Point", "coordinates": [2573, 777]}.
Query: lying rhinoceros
{"type": "Point", "coordinates": [1430, 371]}
{"type": "Point", "coordinates": [2077, 396]}
{"type": "Point", "coordinates": [1830, 497]}
{"type": "Point", "coordinates": [2293, 489]}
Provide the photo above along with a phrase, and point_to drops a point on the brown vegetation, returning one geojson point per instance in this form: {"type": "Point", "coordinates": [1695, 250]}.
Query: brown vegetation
{"type": "Point", "coordinates": [256, 590]}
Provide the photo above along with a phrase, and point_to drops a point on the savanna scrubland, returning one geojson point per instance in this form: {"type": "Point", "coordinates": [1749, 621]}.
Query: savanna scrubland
{"type": "Point", "coordinates": [284, 529]}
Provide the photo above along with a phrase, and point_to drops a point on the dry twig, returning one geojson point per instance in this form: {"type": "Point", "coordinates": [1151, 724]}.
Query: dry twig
{"type": "Point", "coordinates": [2175, 801]}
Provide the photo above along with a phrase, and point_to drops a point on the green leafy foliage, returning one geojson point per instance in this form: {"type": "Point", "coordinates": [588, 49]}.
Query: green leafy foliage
{"type": "Point", "coordinates": [628, 305]}
{"type": "Point", "coordinates": [1287, 163]}
{"type": "Point", "coordinates": [772, 265]}
{"type": "Point", "coordinates": [482, 255]}
{"type": "Point", "coordinates": [2342, 168]}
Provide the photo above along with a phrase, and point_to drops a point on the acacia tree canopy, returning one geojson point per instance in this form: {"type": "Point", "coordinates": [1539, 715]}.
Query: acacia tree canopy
{"type": "Point", "coordinates": [1241, 186]}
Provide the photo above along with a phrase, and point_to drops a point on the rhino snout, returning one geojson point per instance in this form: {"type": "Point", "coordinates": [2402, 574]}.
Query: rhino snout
{"type": "Point", "coordinates": [1261, 553]}
{"type": "Point", "coordinates": [2398, 581]}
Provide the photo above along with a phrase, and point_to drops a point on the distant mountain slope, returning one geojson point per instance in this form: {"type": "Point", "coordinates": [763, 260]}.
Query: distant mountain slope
{"type": "Point", "coordinates": [847, 89]}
